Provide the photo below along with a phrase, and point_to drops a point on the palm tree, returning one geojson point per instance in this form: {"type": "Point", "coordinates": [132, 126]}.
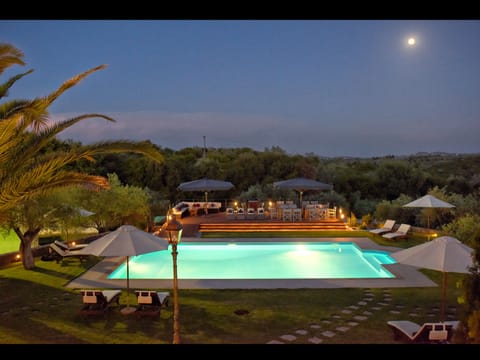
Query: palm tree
{"type": "Point", "coordinates": [25, 130]}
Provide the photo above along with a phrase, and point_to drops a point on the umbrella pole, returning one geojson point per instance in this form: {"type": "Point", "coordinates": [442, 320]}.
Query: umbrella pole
{"type": "Point", "coordinates": [128, 309]}
{"type": "Point", "coordinates": [428, 226]}
{"type": "Point", "coordinates": [205, 207]}
{"type": "Point", "coordinates": [444, 294]}
{"type": "Point", "coordinates": [128, 284]}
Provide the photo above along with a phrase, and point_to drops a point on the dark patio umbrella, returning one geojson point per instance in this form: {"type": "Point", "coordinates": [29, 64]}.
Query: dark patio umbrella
{"type": "Point", "coordinates": [301, 185]}
{"type": "Point", "coordinates": [127, 241]}
{"type": "Point", "coordinates": [205, 185]}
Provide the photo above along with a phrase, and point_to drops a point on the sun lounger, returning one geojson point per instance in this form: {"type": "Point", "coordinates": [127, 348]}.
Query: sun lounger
{"type": "Point", "coordinates": [427, 333]}
{"type": "Point", "coordinates": [98, 302]}
{"type": "Point", "coordinates": [387, 227]}
{"type": "Point", "coordinates": [59, 254]}
{"type": "Point", "coordinates": [65, 247]}
{"type": "Point", "coordinates": [401, 232]}
{"type": "Point", "coordinates": [150, 302]}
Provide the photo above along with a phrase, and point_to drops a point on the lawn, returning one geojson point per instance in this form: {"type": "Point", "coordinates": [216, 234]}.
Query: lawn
{"type": "Point", "coordinates": [9, 241]}
{"type": "Point", "coordinates": [37, 308]}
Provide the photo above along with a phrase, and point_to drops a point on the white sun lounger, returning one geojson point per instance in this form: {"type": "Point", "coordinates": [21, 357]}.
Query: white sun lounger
{"type": "Point", "coordinates": [400, 233]}
{"type": "Point", "coordinates": [387, 227]}
{"type": "Point", "coordinates": [428, 332]}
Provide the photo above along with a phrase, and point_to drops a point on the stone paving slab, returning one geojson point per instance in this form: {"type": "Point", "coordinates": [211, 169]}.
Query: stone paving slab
{"type": "Point", "coordinates": [275, 342]}
{"type": "Point", "coordinates": [328, 334]}
{"type": "Point", "coordinates": [315, 340]}
{"type": "Point", "coordinates": [342, 328]}
{"type": "Point", "coordinates": [301, 332]}
{"type": "Point", "coordinates": [288, 337]}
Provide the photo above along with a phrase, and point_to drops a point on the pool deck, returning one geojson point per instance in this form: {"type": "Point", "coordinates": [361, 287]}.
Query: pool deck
{"type": "Point", "coordinates": [405, 276]}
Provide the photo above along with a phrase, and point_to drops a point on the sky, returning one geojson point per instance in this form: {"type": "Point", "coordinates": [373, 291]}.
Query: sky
{"type": "Point", "coordinates": [325, 87]}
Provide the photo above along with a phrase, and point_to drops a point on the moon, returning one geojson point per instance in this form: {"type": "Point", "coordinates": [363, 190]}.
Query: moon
{"type": "Point", "coordinates": [411, 41]}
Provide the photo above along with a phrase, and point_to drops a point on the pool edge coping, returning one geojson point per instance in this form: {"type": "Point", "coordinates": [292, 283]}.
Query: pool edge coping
{"type": "Point", "coordinates": [405, 276]}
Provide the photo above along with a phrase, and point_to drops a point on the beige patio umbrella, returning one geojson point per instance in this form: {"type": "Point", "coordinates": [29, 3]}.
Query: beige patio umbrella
{"type": "Point", "coordinates": [428, 201]}
{"type": "Point", "coordinates": [445, 254]}
{"type": "Point", "coordinates": [127, 240]}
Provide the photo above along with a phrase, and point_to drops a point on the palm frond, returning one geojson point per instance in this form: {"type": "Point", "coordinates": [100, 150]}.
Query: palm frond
{"type": "Point", "coordinates": [72, 82]}
{"type": "Point", "coordinates": [36, 142]}
{"type": "Point", "coordinates": [7, 85]}
{"type": "Point", "coordinates": [9, 108]}
{"type": "Point", "coordinates": [121, 146]}
{"type": "Point", "coordinates": [35, 112]}
{"type": "Point", "coordinates": [18, 190]}
{"type": "Point", "coordinates": [10, 55]}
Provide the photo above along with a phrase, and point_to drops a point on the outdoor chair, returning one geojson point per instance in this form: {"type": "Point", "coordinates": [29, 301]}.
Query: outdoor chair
{"type": "Point", "coordinates": [387, 227]}
{"type": "Point", "coordinates": [251, 214]}
{"type": "Point", "coordinates": [150, 302]}
{"type": "Point", "coordinates": [98, 302]}
{"type": "Point", "coordinates": [401, 232]}
{"type": "Point", "coordinates": [59, 254]}
{"type": "Point", "coordinates": [260, 213]}
{"type": "Point", "coordinates": [241, 214]}
{"type": "Point", "coordinates": [230, 213]}
{"type": "Point", "coordinates": [409, 331]}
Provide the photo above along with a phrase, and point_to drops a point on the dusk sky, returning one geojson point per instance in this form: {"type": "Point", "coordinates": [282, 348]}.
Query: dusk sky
{"type": "Point", "coordinates": [328, 87]}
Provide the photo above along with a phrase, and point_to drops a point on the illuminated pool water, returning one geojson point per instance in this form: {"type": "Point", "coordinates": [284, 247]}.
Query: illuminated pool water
{"type": "Point", "coordinates": [260, 260]}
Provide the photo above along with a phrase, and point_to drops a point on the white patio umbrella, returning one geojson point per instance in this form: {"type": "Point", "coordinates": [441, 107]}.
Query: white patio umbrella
{"type": "Point", "coordinates": [428, 201]}
{"type": "Point", "coordinates": [205, 185]}
{"type": "Point", "coordinates": [301, 185]}
{"type": "Point", "coordinates": [84, 212]}
{"type": "Point", "coordinates": [445, 254]}
{"type": "Point", "coordinates": [127, 241]}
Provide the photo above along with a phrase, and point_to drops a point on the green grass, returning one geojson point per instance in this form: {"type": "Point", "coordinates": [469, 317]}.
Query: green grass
{"type": "Point", "coordinates": [9, 241]}
{"type": "Point", "coordinates": [36, 308]}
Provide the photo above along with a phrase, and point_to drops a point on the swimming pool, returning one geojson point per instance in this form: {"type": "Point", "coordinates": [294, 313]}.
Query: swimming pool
{"type": "Point", "coordinates": [261, 260]}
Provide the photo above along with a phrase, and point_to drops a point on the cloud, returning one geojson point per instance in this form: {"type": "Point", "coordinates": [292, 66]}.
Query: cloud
{"type": "Point", "coordinates": [324, 137]}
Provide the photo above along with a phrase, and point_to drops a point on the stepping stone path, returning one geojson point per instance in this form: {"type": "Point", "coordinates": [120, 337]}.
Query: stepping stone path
{"type": "Point", "coordinates": [361, 311]}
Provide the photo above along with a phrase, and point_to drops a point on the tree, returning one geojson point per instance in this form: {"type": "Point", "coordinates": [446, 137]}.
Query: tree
{"type": "Point", "coordinates": [27, 219]}
{"type": "Point", "coordinates": [26, 130]}
{"type": "Point", "coordinates": [470, 331]}
{"type": "Point", "coordinates": [118, 205]}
